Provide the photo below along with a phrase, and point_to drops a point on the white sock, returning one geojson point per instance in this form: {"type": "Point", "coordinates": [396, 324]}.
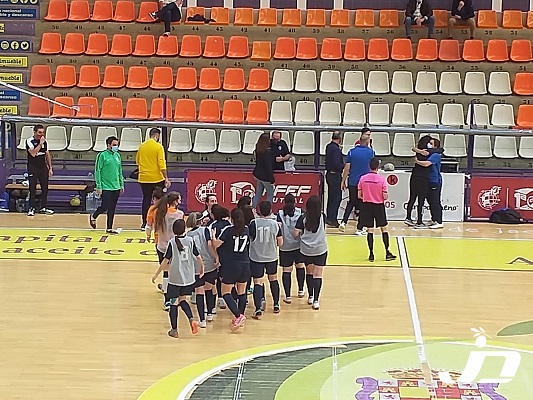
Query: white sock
{"type": "Point", "coordinates": [165, 284]}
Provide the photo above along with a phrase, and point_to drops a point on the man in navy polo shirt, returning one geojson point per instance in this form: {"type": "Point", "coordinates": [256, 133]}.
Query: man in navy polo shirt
{"type": "Point", "coordinates": [279, 150]}
{"type": "Point", "coordinates": [357, 165]}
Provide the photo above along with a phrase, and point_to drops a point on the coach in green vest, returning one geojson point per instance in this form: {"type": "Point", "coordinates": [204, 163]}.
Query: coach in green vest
{"type": "Point", "coordinates": [109, 182]}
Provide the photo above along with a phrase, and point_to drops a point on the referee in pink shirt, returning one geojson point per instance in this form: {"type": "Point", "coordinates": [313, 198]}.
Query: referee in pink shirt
{"type": "Point", "coordinates": [372, 189]}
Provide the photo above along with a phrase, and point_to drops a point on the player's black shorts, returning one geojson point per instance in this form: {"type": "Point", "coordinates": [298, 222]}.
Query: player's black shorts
{"type": "Point", "coordinates": [373, 215]}
{"type": "Point", "coordinates": [210, 277]}
{"type": "Point", "coordinates": [288, 258]}
{"type": "Point", "coordinates": [258, 269]}
{"type": "Point", "coordinates": [235, 273]}
{"type": "Point", "coordinates": [174, 291]}
{"type": "Point", "coordinates": [160, 255]}
{"type": "Point", "coordinates": [319, 260]}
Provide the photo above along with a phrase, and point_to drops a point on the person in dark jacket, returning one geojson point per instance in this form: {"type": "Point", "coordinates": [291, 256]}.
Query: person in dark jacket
{"type": "Point", "coordinates": [420, 13]}
{"type": "Point", "coordinates": [334, 168]}
{"type": "Point", "coordinates": [263, 171]}
{"type": "Point", "coordinates": [462, 14]}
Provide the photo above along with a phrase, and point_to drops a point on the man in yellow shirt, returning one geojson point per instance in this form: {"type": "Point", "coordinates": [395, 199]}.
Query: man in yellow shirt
{"type": "Point", "coordinates": [152, 166]}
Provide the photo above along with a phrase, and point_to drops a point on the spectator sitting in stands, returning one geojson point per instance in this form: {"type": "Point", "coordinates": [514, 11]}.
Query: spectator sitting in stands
{"type": "Point", "coordinates": [421, 13]}
{"type": "Point", "coordinates": [462, 14]}
{"type": "Point", "coordinates": [169, 12]}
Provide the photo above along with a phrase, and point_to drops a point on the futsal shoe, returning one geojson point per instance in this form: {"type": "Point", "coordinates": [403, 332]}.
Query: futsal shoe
{"type": "Point", "coordinates": [333, 224]}
{"type": "Point", "coordinates": [257, 314]}
{"type": "Point", "coordinates": [420, 226]}
{"type": "Point", "coordinates": [112, 231]}
{"type": "Point", "coordinates": [409, 222]}
{"type": "Point", "coordinates": [238, 322]}
{"type": "Point", "coordinates": [209, 317]}
{"type": "Point", "coordinates": [287, 300]}
{"type": "Point", "coordinates": [436, 225]}
{"type": "Point", "coordinates": [371, 257]}
{"type": "Point", "coordinates": [310, 300]}
{"type": "Point", "coordinates": [221, 303]}
{"type": "Point", "coordinates": [263, 305]}
{"type": "Point", "coordinates": [342, 226]}
{"type": "Point", "coordinates": [359, 232]}
{"type": "Point", "coordinates": [92, 221]}
{"type": "Point", "coordinates": [202, 324]}
{"type": "Point", "coordinates": [277, 309]}
{"type": "Point", "coordinates": [194, 327]}
{"type": "Point", "coordinates": [390, 256]}
{"type": "Point", "coordinates": [173, 333]}
{"type": "Point", "coordinates": [316, 305]}
{"type": "Point", "coordinates": [31, 212]}
{"type": "Point", "coordinates": [46, 211]}
{"type": "Point", "coordinates": [301, 294]}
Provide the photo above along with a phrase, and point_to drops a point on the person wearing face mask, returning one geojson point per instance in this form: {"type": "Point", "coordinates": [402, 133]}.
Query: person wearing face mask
{"type": "Point", "coordinates": [109, 183]}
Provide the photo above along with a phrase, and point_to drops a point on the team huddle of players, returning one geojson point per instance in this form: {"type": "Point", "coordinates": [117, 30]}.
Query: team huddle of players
{"type": "Point", "coordinates": [219, 253]}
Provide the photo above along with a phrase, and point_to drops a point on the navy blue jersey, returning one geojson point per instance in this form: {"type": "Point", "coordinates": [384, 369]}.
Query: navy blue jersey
{"type": "Point", "coordinates": [234, 249]}
{"type": "Point", "coordinates": [218, 226]}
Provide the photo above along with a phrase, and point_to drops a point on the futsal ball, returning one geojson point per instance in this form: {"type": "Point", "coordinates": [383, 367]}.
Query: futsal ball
{"type": "Point", "coordinates": [75, 202]}
{"type": "Point", "coordinates": [388, 167]}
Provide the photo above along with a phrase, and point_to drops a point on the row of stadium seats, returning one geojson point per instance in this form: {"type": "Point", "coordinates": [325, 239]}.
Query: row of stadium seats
{"type": "Point", "coordinates": [79, 10]}
{"type": "Point", "coordinates": [281, 111]}
{"type": "Point", "coordinates": [378, 82]}
{"type": "Point", "coordinates": [286, 48]}
{"type": "Point", "coordinates": [229, 141]}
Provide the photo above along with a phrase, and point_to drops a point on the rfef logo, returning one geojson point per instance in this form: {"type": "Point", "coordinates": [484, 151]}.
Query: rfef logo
{"type": "Point", "coordinates": [487, 199]}
{"type": "Point", "coordinates": [203, 189]}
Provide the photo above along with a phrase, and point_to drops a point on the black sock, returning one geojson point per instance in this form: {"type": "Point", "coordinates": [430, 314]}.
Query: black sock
{"type": "Point", "coordinates": [370, 241]}
{"type": "Point", "coordinates": [385, 237]}
{"type": "Point", "coordinates": [242, 303]}
{"type": "Point", "coordinates": [209, 301]}
{"type": "Point", "coordinates": [248, 285]}
{"type": "Point", "coordinates": [258, 296]}
{"type": "Point", "coordinates": [219, 287]}
{"type": "Point", "coordinates": [186, 309]}
{"type": "Point", "coordinates": [310, 284]}
{"type": "Point", "coordinates": [286, 279]}
{"type": "Point", "coordinates": [173, 316]}
{"type": "Point", "coordinates": [234, 293]}
{"type": "Point", "coordinates": [318, 286]}
{"type": "Point", "coordinates": [274, 289]}
{"type": "Point", "coordinates": [230, 302]}
{"type": "Point", "coordinates": [300, 277]}
{"type": "Point", "coordinates": [200, 306]}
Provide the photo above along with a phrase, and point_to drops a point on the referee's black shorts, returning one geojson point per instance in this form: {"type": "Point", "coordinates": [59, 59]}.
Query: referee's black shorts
{"type": "Point", "coordinates": [373, 215]}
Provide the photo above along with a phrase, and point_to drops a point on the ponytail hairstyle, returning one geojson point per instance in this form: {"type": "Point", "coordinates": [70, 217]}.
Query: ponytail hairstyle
{"type": "Point", "coordinates": [313, 213]}
{"type": "Point", "coordinates": [238, 221]}
{"type": "Point", "coordinates": [161, 209]}
{"type": "Point", "coordinates": [179, 229]}
{"type": "Point", "coordinates": [289, 205]}
{"type": "Point", "coordinates": [194, 220]}
{"type": "Point", "coordinates": [219, 212]}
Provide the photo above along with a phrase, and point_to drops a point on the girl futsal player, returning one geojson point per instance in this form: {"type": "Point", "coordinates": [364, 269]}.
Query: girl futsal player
{"type": "Point", "coordinates": [265, 235]}
{"type": "Point", "coordinates": [220, 221]}
{"type": "Point", "coordinates": [289, 251]}
{"type": "Point", "coordinates": [179, 261]}
{"type": "Point", "coordinates": [311, 227]}
{"type": "Point", "coordinates": [202, 239]}
{"type": "Point", "coordinates": [150, 217]}
{"type": "Point", "coordinates": [233, 246]}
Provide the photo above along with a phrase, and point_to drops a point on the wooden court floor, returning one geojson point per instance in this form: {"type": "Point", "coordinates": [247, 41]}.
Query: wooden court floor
{"type": "Point", "coordinates": [94, 329]}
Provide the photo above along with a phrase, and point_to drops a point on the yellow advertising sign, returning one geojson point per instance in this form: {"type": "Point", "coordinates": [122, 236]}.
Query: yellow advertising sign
{"type": "Point", "coordinates": [9, 110]}
{"type": "Point", "coordinates": [14, 62]}
{"type": "Point", "coordinates": [2, 27]}
{"type": "Point", "coordinates": [12, 77]}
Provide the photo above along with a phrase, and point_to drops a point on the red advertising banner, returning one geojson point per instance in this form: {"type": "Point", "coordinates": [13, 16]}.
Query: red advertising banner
{"type": "Point", "coordinates": [490, 193]}
{"type": "Point", "coordinates": [230, 186]}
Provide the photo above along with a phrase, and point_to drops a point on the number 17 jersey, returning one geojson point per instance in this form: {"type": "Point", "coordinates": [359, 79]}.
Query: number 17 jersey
{"type": "Point", "coordinates": [235, 248]}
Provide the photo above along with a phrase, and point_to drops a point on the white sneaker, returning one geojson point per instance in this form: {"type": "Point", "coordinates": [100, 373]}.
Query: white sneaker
{"type": "Point", "coordinates": [360, 233]}
{"type": "Point", "coordinates": [221, 304]}
{"type": "Point", "coordinates": [342, 226]}
{"type": "Point", "coordinates": [287, 300]}
{"type": "Point", "coordinates": [209, 317]}
{"type": "Point", "coordinates": [31, 212]}
{"type": "Point", "coordinates": [316, 305]}
{"type": "Point", "coordinates": [202, 324]}
{"type": "Point", "coordinates": [214, 311]}
{"type": "Point", "coordinates": [310, 300]}
{"type": "Point", "coordinates": [301, 293]}
{"type": "Point", "coordinates": [436, 225]}
{"type": "Point", "coordinates": [46, 211]}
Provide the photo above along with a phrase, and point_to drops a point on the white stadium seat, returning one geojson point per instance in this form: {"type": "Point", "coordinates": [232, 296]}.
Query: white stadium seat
{"type": "Point", "coordinates": [482, 146]}
{"type": "Point", "coordinates": [250, 139]}
{"type": "Point", "coordinates": [502, 115]}
{"type": "Point", "coordinates": [505, 147]}
{"type": "Point", "coordinates": [402, 82]}
{"type": "Point", "coordinates": [403, 114]}
{"type": "Point", "coordinates": [306, 80]}
{"type": "Point", "coordinates": [56, 137]}
{"type": "Point", "coordinates": [475, 83]}
{"type": "Point", "coordinates": [80, 139]}
{"type": "Point", "coordinates": [500, 83]}
{"type": "Point", "coordinates": [27, 132]}
{"type": "Point", "coordinates": [452, 114]}
{"type": "Point", "coordinates": [180, 140]}
{"type": "Point", "coordinates": [403, 144]}
{"type": "Point", "coordinates": [330, 113]}
{"type": "Point", "coordinates": [283, 80]}
{"type": "Point", "coordinates": [378, 82]}
{"type": "Point", "coordinates": [426, 82]}
{"type": "Point", "coordinates": [354, 113]}
{"type": "Point", "coordinates": [229, 141]}
{"type": "Point", "coordinates": [303, 143]}
{"type": "Point", "coordinates": [281, 112]}
{"type": "Point", "coordinates": [378, 114]}
{"type": "Point", "coordinates": [354, 82]}
{"type": "Point", "coordinates": [454, 145]}
{"type": "Point", "coordinates": [381, 143]}
{"type": "Point", "coordinates": [205, 141]}
{"type": "Point", "coordinates": [102, 133]}
{"type": "Point", "coordinates": [427, 114]}
{"type": "Point", "coordinates": [305, 113]}
{"type": "Point", "coordinates": [450, 83]}
{"type": "Point", "coordinates": [130, 139]}
{"type": "Point", "coordinates": [330, 81]}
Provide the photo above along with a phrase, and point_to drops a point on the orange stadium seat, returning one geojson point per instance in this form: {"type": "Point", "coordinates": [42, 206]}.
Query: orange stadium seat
{"type": "Point", "coordinates": [389, 19]}
{"type": "Point", "coordinates": [51, 43]}
{"type": "Point", "coordinates": [364, 18]}
{"type": "Point", "coordinates": [136, 108]}
{"type": "Point", "coordinates": [441, 18]}
{"type": "Point", "coordinates": [354, 49]}
{"type": "Point", "coordinates": [525, 116]}
{"type": "Point", "coordinates": [243, 17]}
{"type": "Point", "coordinates": [38, 107]}
{"type": "Point", "coordinates": [167, 46]}
{"type": "Point", "coordinates": [74, 44]}
{"type": "Point", "coordinates": [191, 12]}
{"type": "Point", "coordinates": [234, 79]}
{"type": "Point", "coordinates": [89, 76]}
{"type": "Point", "coordinates": [40, 76]}
{"type": "Point", "coordinates": [65, 76]}
{"type": "Point", "coordinates": [214, 47]}
{"type": "Point", "coordinates": [285, 48]}
{"type": "Point", "coordinates": [529, 22]}
{"type": "Point", "coordinates": [340, 18]}
{"type": "Point", "coordinates": [523, 84]}
{"type": "Point", "coordinates": [307, 49]}
{"type": "Point", "coordinates": [257, 112]}
{"type": "Point", "coordinates": [156, 109]}
{"type": "Point", "coordinates": [57, 10]}
{"type": "Point", "coordinates": [113, 77]}
{"type": "Point", "coordinates": [79, 10]}
{"type": "Point", "coordinates": [402, 49]}
{"type": "Point", "coordinates": [521, 50]}
{"type": "Point", "coordinates": [449, 50]}
{"type": "Point", "coordinates": [102, 11]}
{"type": "Point", "coordinates": [316, 18]}
{"type": "Point", "coordinates": [124, 11]}
{"type": "Point", "coordinates": [88, 107]}
{"type": "Point", "coordinates": [209, 79]}
{"type": "Point", "coordinates": [497, 50]}
{"type": "Point", "coordinates": [185, 110]}
{"type": "Point", "coordinates": [261, 51]}
{"type": "Point", "coordinates": [144, 46]}
{"type": "Point", "coordinates": [121, 45]}
{"type": "Point", "coordinates": [331, 49]}
{"type": "Point", "coordinates": [267, 17]}
{"type": "Point", "coordinates": [291, 17]}
{"type": "Point", "coordinates": [209, 111]}
{"type": "Point", "coordinates": [60, 111]}
{"type": "Point", "coordinates": [233, 112]}
{"type": "Point", "coordinates": [137, 77]}
{"type": "Point", "coordinates": [220, 15]}
{"type": "Point", "coordinates": [112, 108]}
{"type": "Point", "coordinates": [378, 49]}
{"type": "Point", "coordinates": [258, 80]}
{"type": "Point", "coordinates": [238, 47]}
{"type": "Point", "coordinates": [186, 79]}
{"type": "Point", "coordinates": [473, 50]}
{"type": "Point", "coordinates": [145, 9]}
{"type": "Point", "coordinates": [191, 46]}
{"type": "Point", "coordinates": [512, 19]}
{"type": "Point", "coordinates": [97, 44]}
{"type": "Point", "coordinates": [162, 78]}
{"type": "Point", "coordinates": [486, 19]}
{"type": "Point", "coordinates": [427, 50]}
